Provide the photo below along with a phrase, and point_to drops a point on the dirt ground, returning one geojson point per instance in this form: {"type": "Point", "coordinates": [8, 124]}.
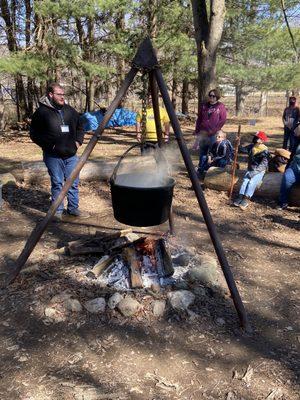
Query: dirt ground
{"type": "Point", "coordinates": [198, 355]}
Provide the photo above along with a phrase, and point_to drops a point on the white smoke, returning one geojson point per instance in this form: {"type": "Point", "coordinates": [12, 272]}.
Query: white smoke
{"type": "Point", "coordinates": [149, 171]}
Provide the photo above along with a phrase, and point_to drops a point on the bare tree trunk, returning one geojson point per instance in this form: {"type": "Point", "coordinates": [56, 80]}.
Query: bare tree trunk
{"type": "Point", "coordinates": [240, 98]}
{"type": "Point", "coordinates": [263, 104]}
{"type": "Point", "coordinates": [185, 96]}
{"type": "Point", "coordinates": [8, 13]}
{"type": "Point", "coordinates": [152, 18]}
{"type": "Point", "coordinates": [91, 104]}
{"type": "Point", "coordinates": [174, 92]}
{"type": "Point", "coordinates": [120, 27]}
{"type": "Point", "coordinates": [208, 32]}
{"type": "Point", "coordinates": [2, 123]}
{"type": "Point", "coordinates": [282, 2]}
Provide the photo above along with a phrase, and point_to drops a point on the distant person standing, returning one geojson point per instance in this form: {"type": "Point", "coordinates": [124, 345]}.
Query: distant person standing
{"type": "Point", "coordinates": [290, 119]}
{"type": "Point", "coordinates": [150, 140]}
{"type": "Point", "coordinates": [57, 129]}
{"type": "Point", "coordinates": [211, 118]}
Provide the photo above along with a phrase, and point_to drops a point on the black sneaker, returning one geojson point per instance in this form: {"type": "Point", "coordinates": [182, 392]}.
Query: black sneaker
{"type": "Point", "coordinates": [78, 214]}
{"type": "Point", "coordinates": [57, 217]}
{"type": "Point", "coordinates": [244, 204]}
{"type": "Point", "coordinates": [238, 201]}
{"type": "Point", "coordinates": [282, 207]}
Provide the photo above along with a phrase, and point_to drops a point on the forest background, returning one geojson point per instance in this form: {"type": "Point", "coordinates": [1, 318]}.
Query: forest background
{"type": "Point", "coordinates": [244, 46]}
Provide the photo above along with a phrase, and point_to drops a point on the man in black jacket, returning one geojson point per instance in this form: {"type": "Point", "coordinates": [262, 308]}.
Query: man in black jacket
{"type": "Point", "coordinates": [57, 129]}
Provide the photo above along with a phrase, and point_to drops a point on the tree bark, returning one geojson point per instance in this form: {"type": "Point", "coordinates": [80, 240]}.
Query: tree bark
{"type": "Point", "coordinates": [208, 33]}
{"type": "Point", "coordinates": [263, 104]}
{"type": "Point", "coordinates": [240, 98]}
{"type": "Point", "coordinates": [174, 92]}
{"type": "Point", "coordinates": [185, 96]}
{"type": "Point", "coordinates": [219, 179]}
{"type": "Point", "coordinates": [152, 18]}
{"type": "Point", "coordinates": [120, 27]}
{"type": "Point", "coordinates": [36, 172]}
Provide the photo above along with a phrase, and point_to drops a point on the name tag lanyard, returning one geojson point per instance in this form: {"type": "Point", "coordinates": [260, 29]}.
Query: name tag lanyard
{"type": "Point", "coordinates": [63, 127]}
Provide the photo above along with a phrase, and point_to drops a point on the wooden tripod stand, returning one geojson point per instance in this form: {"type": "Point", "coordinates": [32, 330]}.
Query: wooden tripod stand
{"type": "Point", "coordinates": [146, 61]}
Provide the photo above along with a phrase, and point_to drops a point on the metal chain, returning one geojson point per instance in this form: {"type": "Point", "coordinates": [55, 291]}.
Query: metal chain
{"type": "Point", "coordinates": [144, 106]}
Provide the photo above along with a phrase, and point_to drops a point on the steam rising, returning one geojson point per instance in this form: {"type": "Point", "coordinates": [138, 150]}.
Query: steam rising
{"type": "Point", "coordinates": [149, 171]}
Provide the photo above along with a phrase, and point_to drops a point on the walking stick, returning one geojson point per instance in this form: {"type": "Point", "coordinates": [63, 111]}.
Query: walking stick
{"type": "Point", "coordinates": [236, 148]}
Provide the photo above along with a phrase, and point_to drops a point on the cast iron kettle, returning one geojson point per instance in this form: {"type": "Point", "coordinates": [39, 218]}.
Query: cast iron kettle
{"type": "Point", "coordinates": [137, 204]}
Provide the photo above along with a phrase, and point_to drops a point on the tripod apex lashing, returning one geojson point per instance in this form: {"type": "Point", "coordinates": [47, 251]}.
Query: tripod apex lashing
{"type": "Point", "coordinates": [145, 58]}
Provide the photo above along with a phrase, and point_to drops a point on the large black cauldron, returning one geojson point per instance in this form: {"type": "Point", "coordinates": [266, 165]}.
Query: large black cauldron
{"type": "Point", "coordinates": [140, 200]}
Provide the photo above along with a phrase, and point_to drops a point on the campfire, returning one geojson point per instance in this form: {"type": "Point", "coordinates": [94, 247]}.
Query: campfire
{"type": "Point", "coordinates": [127, 260]}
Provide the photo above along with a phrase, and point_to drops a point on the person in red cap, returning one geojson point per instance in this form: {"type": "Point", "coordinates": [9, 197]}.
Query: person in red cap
{"type": "Point", "coordinates": [257, 165]}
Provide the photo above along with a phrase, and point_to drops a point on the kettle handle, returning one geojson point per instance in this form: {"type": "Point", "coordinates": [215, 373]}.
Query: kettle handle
{"type": "Point", "coordinates": [113, 176]}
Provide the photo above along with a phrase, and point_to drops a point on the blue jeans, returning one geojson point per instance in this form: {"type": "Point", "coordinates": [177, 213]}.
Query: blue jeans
{"type": "Point", "coordinates": [290, 141]}
{"type": "Point", "coordinates": [289, 178]}
{"type": "Point", "coordinates": [250, 184]}
{"type": "Point", "coordinates": [219, 163]}
{"type": "Point", "coordinates": [59, 170]}
{"type": "Point", "coordinates": [205, 145]}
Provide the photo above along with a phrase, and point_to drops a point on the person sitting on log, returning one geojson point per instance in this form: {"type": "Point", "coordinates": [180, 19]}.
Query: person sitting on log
{"type": "Point", "coordinates": [279, 161]}
{"type": "Point", "coordinates": [220, 155]}
{"type": "Point", "coordinates": [290, 177]}
{"type": "Point", "coordinates": [212, 116]}
{"type": "Point", "coordinates": [257, 166]}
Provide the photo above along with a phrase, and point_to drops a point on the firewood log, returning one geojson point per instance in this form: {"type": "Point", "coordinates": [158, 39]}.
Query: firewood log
{"type": "Point", "coordinates": [130, 257]}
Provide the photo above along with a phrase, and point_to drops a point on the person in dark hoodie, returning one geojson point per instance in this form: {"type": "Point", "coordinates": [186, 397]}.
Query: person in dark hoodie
{"type": "Point", "coordinates": [290, 119]}
{"type": "Point", "coordinates": [290, 177]}
{"type": "Point", "coordinates": [258, 158]}
{"type": "Point", "coordinates": [221, 153]}
{"type": "Point", "coordinates": [57, 129]}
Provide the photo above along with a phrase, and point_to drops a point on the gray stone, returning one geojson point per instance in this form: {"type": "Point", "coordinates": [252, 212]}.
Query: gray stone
{"type": "Point", "coordinates": [199, 291]}
{"type": "Point", "coordinates": [220, 321]}
{"type": "Point", "coordinates": [202, 274]}
{"type": "Point", "coordinates": [159, 307]}
{"type": "Point", "coordinates": [181, 285]}
{"type": "Point", "coordinates": [182, 260]}
{"type": "Point", "coordinates": [128, 306]}
{"type": "Point", "coordinates": [181, 299]}
{"type": "Point", "coordinates": [61, 297]}
{"type": "Point", "coordinates": [7, 178]}
{"type": "Point", "coordinates": [52, 257]}
{"type": "Point", "coordinates": [114, 300]}
{"type": "Point", "coordinates": [95, 306]}
{"type": "Point", "coordinates": [72, 305]}
{"type": "Point", "coordinates": [54, 315]}
{"type": "Point", "coordinates": [205, 260]}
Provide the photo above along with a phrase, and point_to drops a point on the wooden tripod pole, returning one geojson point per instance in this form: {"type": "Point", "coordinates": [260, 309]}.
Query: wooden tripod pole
{"type": "Point", "coordinates": [159, 132]}
{"type": "Point", "coordinates": [41, 226]}
{"type": "Point", "coordinates": [203, 204]}
{"type": "Point", "coordinates": [236, 149]}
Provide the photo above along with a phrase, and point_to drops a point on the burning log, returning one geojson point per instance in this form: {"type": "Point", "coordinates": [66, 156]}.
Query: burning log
{"type": "Point", "coordinates": [165, 258]}
{"type": "Point", "coordinates": [130, 257]}
{"type": "Point", "coordinates": [144, 262]}
{"type": "Point", "coordinates": [101, 266]}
